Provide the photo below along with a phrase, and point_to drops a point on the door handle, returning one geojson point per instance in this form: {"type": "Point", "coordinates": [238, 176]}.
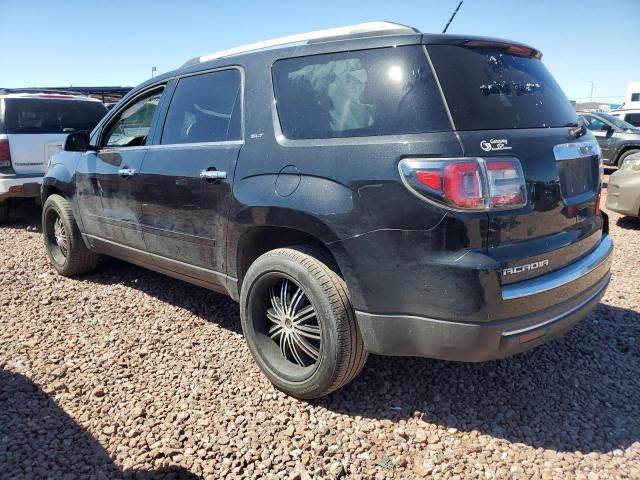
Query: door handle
{"type": "Point", "coordinates": [126, 172]}
{"type": "Point", "coordinates": [212, 175]}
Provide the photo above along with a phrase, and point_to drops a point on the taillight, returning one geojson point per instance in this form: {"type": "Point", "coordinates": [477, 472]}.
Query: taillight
{"type": "Point", "coordinates": [468, 184]}
{"type": "Point", "coordinates": [597, 207]}
{"type": "Point", "coordinates": [5, 154]}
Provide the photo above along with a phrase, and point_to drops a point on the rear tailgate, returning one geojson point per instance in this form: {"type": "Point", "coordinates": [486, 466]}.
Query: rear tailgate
{"type": "Point", "coordinates": [558, 224]}
{"type": "Point", "coordinates": [30, 153]}
{"type": "Point", "coordinates": [504, 103]}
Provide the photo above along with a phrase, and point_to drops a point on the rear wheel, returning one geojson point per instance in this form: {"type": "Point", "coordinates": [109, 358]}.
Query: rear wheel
{"type": "Point", "coordinates": [67, 252]}
{"type": "Point", "coordinates": [299, 323]}
{"type": "Point", "coordinates": [626, 155]}
{"type": "Point", "coordinates": [4, 211]}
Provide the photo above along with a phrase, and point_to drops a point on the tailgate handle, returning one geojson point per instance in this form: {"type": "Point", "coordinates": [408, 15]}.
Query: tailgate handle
{"type": "Point", "coordinates": [212, 175]}
{"type": "Point", "coordinates": [126, 172]}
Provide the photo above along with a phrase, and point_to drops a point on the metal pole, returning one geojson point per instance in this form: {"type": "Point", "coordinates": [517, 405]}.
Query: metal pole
{"type": "Point", "coordinates": [451, 19]}
{"type": "Point", "coordinates": [153, 72]}
{"type": "Point", "coordinates": [591, 96]}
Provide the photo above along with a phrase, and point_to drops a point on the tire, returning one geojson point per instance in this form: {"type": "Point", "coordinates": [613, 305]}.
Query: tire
{"type": "Point", "coordinates": [65, 247]}
{"type": "Point", "coordinates": [321, 315]}
{"type": "Point", "coordinates": [4, 211]}
{"type": "Point", "coordinates": [626, 154]}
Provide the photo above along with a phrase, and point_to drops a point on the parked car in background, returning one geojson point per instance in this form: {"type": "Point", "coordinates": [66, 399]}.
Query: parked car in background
{"type": "Point", "coordinates": [623, 191]}
{"type": "Point", "coordinates": [33, 127]}
{"type": "Point", "coordinates": [617, 138]}
{"type": "Point", "coordinates": [348, 198]}
{"type": "Point", "coordinates": [631, 115]}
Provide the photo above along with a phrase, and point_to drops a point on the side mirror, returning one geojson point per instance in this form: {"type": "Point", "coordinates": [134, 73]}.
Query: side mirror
{"type": "Point", "coordinates": [77, 142]}
{"type": "Point", "coordinates": [606, 128]}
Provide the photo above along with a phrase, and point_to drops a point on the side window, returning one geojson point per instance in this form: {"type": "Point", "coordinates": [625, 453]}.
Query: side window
{"type": "Point", "coordinates": [131, 127]}
{"type": "Point", "coordinates": [593, 123]}
{"type": "Point", "coordinates": [633, 119]}
{"type": "Point", "coordinates": [205, 108]}
{"type": "Point", "coordinates": [383, 91]}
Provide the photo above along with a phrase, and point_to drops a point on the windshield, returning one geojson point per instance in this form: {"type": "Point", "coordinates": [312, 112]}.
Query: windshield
{"type": "Point", "coordinates": [617, 122]}
{"type": "Point", "coordinates": [491, 88]}
{"type": "Point", "coordinates": [34, 115]}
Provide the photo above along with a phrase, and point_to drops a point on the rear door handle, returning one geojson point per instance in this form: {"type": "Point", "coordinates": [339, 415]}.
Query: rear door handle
{"type": "Point", "coordinates": [212, 175]}
{"type": "Point", "coordinates": [126, 172]}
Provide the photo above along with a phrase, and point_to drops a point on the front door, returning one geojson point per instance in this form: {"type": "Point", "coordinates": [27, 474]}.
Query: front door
{"type": "Point", "coordinates": [185, 183]}
{"type": "Point", "coordinates": [104, 177]}
{"type": "Point", "coordinates": [604, 136]}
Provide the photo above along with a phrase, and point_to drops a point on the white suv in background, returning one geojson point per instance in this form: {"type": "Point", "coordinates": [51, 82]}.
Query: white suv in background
{"type": "Point", "coordinates": [33, 127]}
{"type": "Point", "coordinates": [629, 115]}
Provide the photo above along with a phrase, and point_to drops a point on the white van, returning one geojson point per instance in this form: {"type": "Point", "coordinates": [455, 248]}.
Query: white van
{"type": "Point", "coordinates": [33, 127]}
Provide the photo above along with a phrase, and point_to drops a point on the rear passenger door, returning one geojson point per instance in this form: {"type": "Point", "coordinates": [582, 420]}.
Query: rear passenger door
{"type": "Point", "coordinates": [185, 182]}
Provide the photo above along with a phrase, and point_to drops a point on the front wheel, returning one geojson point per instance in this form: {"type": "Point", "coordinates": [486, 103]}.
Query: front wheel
{"type": "Point", "coordinates": [299, 323]}
{"type": "Point", "coordinates": [63, 241]}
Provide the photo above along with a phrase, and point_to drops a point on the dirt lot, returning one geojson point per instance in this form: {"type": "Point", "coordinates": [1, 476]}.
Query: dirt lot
{"type": "Point", "coordinates": [126, 373]}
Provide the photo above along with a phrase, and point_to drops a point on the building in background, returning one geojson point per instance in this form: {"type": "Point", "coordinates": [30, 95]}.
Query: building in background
{"type": "Point", "coordinates": [632, 99]}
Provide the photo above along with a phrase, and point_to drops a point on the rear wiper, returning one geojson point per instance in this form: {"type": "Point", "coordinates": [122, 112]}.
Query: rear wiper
{"type": "Point", "coordinates": [577, 130]}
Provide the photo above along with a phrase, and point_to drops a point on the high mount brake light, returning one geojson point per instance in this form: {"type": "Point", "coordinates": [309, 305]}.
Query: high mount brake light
{"type": "Point", "coordinates": [467, 183]}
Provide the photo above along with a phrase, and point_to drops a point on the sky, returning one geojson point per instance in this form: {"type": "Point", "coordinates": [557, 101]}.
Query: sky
{"type": "Point", "coordinates": [114, 42]}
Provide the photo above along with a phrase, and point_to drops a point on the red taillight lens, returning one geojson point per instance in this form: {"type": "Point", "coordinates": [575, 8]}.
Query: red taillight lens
{"type": "Point", "coordinates": [463, 185]}
{"type": "Point", "coordinates": [5, 154]}
{"type": "Point", "coordinates": [473, 184]}
{"type": "Point", "coordinates": [430, 178]}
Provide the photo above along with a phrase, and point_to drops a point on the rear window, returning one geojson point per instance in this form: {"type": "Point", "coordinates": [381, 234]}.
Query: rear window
{"type": "Point", "coordinates": [382, 91]}
{"type": "Point", "coordinates": [31, 115]}
{"type": "Point", "coordinates": [488, 88]}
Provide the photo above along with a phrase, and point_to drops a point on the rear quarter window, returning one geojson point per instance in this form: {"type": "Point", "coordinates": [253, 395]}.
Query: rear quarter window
{"type": "Point", "coordinates": [384, 91]}
{"type": "Point", "coordinates": [33, 115]}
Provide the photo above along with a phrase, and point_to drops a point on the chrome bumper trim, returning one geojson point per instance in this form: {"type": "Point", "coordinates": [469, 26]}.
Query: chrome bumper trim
{"type": "Point", "coordinates": [560, 277]}
{"type": "Point", "coordinates": [603, 284]}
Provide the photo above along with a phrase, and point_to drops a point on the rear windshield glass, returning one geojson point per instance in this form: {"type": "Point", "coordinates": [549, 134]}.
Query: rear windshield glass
{"type": "Point", "coordinates": [489, 89]}
{"type": "Point", "coordinates": [360, 93]}
{"type": "Point", "coordinates": [31, 115]}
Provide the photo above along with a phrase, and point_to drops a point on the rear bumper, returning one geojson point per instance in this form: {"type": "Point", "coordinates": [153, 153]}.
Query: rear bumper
{"type": "Point", "coordinates": [405, 335]}
{"type": "Point", "coordinates": [29, 186]}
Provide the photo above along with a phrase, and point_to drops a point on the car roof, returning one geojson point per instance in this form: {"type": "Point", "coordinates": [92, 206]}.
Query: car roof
{"type": "Point", "coordinates": [44, 94]}
{"type": "Point", "coordinates": [353, 37]}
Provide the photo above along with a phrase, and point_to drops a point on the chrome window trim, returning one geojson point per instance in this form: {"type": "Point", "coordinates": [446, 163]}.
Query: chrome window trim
{"type": "Point", "coordinates": [560, 277]}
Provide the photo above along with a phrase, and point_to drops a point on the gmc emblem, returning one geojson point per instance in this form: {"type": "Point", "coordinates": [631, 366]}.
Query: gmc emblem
{"type": "Point", "coordinates": [525, 268]}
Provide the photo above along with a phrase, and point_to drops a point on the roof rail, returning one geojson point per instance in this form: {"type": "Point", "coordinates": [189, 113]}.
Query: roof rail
{"type": "Point", "coordinates": [360, 29]}
{"type": "Point", "coordinates": [4, 91]}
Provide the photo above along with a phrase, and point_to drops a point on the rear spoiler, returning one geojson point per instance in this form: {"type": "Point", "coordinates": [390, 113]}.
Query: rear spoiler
{"type": "Point", "coordinates": [510, 48]}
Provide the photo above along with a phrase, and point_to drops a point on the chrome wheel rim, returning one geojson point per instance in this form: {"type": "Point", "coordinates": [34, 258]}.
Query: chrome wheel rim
{"type": "Point", "coordinates": [293, 323]}
{"type": "Point", "coordinates": [60, 236]}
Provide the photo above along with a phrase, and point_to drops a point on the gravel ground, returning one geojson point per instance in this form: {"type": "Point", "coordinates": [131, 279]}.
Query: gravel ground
{"type": "Point", "coordinates": [126, 373]}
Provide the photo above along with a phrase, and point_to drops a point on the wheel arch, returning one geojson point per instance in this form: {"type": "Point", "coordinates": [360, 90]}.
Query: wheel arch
{"type": "Point", "coordinates": [624, 149]}
{"type": "Point", "coordinates": [247, 242]}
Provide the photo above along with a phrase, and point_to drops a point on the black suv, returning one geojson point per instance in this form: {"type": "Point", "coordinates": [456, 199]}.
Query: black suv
{"type": "Point", "coordinates": [617, 139]}
{"type": "Point", "coordinates": [369, 189]}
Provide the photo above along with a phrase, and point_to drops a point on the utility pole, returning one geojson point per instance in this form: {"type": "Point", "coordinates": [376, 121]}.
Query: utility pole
{"type": "Point", "coordinates": [153, 72]}
{"type": "Point", "coordinates": [591, 95]}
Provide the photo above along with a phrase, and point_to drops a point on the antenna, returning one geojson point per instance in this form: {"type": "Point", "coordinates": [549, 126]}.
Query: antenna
{"type": "Point", "coordinates": [452, 16]}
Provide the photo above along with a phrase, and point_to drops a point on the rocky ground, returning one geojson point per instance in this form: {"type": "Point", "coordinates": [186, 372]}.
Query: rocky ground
{"type": "Point", "coordinates": [126, 373]}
